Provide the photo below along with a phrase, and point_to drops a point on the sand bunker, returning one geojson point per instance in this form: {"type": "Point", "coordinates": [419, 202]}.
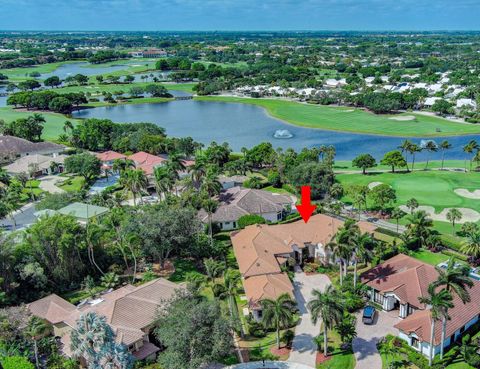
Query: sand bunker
{"type": "Point", "coordinates": [468, 194]}
{"type": "Point", "coordinates": [468, 215]}
{"type": "Point", "coordinates": [347, 111]}
{"type": "Point", "coordinates": [403, 117]}
{"type": "Point", "coordinates": [374, 184]}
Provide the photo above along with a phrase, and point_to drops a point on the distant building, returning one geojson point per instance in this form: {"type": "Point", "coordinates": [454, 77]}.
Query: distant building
{"type": "Point", "coordinates": [469, 103]}
{"type": "Point", "coordinates": [43, 164]}
{"type": "Point", "coordinates": [149, 53]}
{"type": "Point", "coordinates": [12, 148]}
{"type": "Point", "coordinates": [83, 212]}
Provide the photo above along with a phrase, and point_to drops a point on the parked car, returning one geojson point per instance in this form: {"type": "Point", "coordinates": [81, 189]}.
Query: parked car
{"type": "Point", "coordinates": [368, 315]}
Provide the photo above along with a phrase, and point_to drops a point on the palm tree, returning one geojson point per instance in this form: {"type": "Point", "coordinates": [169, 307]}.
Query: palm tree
{"type": "Point", "coordinates": [135, 181]}
{"type": "Point", "coordinates": [455, 279]}
{"type": "Point", "coordinates": [472, 245]}
{"type": "Point", "coordinates": [210, 206]}
{"type": "Point", "coordinates": [328, 307]}
{"type": "Point", "coordinates": [413, 150]}
{"type": "Point", "coordinates": [231, 280]}
{"type": "Point", "coordinates": [210, 184]}
{"type": "Point", "coordinates": [470, 148]}
{"type": "Point", "coordinates": [36, 329]}
{"type": "Point", "coordinates": [362, 243]}
{"type": "Point", "coordinates": [419, 225]}
{"type": "Point", "coordinates": [430, 147]}
{"type": "Point", "coordinates": [277, 313]}
{"type": "Point", "coordinates": [67, 126]}
{"type": "Point", "coordinates": [198, 170]}
{"type": "Point", "coordinates": [439, 303]}
{"type": "Point", "coordinates": [412, 204]}
{"type": "Point", "coordinates": [33, 168]}
{"type": "Point", "coordinates": [94, 235]}
{"type": "Point", "coordinates": [405, 147]}
{"type": "Point", "coordinates": [163, 180]}
{"type": "Point", "coordinates": [454, 215]}
{"type": "Point", "coordinates": [175, 162]}
{"type": "Point", "coordinates": [120, 165]}
{"type": "Point", "coordinates": [397, 214]}
{"type": "Point", "coordinates": [444, 146]}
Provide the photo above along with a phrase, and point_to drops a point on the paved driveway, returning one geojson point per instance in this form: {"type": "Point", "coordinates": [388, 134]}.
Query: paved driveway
{"type": "Point", "coordinates": [48, 184]}
{"type": "Point", "coordinates": [365, 344]}
{"type": "Point", "coordinates": [270, 365]}
{"type": "Point", "coordinates": [304, 349]}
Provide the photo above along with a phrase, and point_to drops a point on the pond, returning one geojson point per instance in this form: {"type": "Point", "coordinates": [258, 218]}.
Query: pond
{"type": "Point", "coordinates": [244, 125]}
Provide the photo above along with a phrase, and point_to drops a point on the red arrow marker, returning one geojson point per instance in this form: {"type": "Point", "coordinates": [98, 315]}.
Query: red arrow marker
{"type": "Point", "coordinates": [305, 208]}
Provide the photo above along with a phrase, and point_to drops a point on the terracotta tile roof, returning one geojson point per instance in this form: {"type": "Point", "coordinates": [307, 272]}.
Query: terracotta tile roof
{"type": "Point", "coordinates": [259, 249]}
{"type": "Point", "coordinates": [147, 162]}
{"type": "Point", "coordinates": [129, 310]}
{"type": "Point", "coordinates": [267, 286]}
{"type": "Point", "coordinates": [52, 308]}
{"type": "Point", "coordinates": [404, 276]}
{"type": "Point", "coordinates": [420, 321]}
{"type": "Point", "coordinates": [237, 201]}
{"type": "Point", "coordinates": [110, 156]}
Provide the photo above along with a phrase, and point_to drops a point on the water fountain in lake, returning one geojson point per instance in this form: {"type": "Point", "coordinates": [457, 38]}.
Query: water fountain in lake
{"type": "Point", "coordinates": [282, 134]}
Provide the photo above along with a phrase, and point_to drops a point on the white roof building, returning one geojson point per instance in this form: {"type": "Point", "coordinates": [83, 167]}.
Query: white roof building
{"type": "Point", "coordinates": [429, 101]}
{"type": "Point", "coordinates": [466, 103]}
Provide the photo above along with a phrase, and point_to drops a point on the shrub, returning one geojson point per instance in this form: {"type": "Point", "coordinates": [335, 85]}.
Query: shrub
{"type": "Point", "coordinates": [250, 219]}
{"type": "Point", "coordinates": [288, 337]}
{"type": "Point", "coordinates": [311, 267]}
{"type": "Point", "coordinates": [274, 179]}
{"type": "Point", "coordinates": [16, 362]}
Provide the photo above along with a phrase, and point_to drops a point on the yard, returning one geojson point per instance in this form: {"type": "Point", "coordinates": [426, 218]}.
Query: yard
{"type": "Point", "coordinates": [73, 184]}
{"type": "Point", "coordinates": [353, 120]}
{"type": "Point", "coordinates": [339, 359]}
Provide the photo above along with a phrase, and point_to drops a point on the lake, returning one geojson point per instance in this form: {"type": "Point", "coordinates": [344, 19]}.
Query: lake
{"type": "Point", "coordinates": [244, 125]}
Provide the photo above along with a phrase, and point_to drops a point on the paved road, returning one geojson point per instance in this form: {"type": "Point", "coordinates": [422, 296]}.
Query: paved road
{"type": "Point", "coordinates": [304, 349]}
{"type": "Point", "coordinates": [365, 344]}
{"type": "Point", "coordinates": [23, 217]}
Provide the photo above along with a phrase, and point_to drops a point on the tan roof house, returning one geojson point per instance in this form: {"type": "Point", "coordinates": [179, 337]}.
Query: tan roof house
{"type": "Point", "coordinates": [129, 310]}
{"type": "Point", "coordinates": [42, 164]}
{"type": "Point", "coordinates": [236, 202]}
{"type": "Point", "coordinates": [397, 283]}
{"type": "Point", "coordinates": [261, 250]}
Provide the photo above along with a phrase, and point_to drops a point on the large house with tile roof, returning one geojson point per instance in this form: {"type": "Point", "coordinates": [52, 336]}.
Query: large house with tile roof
{"type": "Point", "coordinates": [262, 250]}
{"type": "Point", "coordinates": [397, 284]}
{"type": "Point", "coordinates": [129, 310]}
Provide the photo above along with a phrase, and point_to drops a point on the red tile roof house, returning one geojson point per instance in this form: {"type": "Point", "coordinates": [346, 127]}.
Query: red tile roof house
{"type": "Point", "coordinates": [397, 283]}
{"type": "Point", "coordinates": [129, 310]}
{"type": "Point", "coordinates": [108, 157]}
{"type": "Point", "coordinates": [261, 250]}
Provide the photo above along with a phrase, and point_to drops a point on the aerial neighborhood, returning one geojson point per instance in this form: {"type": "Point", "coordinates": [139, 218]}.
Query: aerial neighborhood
{"type": "Point", "coordinates": [239, 200]}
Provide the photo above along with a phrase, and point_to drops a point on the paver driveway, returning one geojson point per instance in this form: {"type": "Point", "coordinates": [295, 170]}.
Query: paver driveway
{"type": "Point", "coordinates": [365, 344]}
{"type": "Point", "coordinates": [304, 349]}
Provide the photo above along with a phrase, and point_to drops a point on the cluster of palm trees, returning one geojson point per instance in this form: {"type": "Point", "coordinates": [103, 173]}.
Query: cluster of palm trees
{"type": "Point", "coordinates": [351, 245]}
{"type": "Point", "coordinates": [409, 147]}
{"type": "Point", "coordinates": [452, 281]}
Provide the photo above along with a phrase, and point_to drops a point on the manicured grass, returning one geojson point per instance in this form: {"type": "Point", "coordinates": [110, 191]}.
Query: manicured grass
{"type": "Point", "coordinates": [32, 186]}
{"type": "Point", "coordinates": [433, 188]}
{"type": "Point", "coordinates": [18, 74]}
{"type": "Point", "coordinates": [277, 190]}
{"type": "Point", "coordinates": [344, 119]}
{"type": "Point", "coordinates": [76, 296]}
{"type": "Point", "coordinates": [73, 184]}
{"type": "Point", "coordinates": [346, 165]}
{"type": "Point", "coordinates": [340, 359]}
{"type": "Point", "coordinates": [430, 257]}
{"type": "Point", "coordinates": [52, 128]}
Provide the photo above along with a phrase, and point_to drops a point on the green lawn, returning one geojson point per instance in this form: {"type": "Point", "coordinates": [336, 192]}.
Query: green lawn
{"type": "Point", "coordinates": [353, 120]}
{"type": "Point", "coordinates": [339, 359]}
{"type": "Point", "coordinates": [73, 184]}
{"type": "Point", "coordinates": [18, 74]}
{"type": "Point", "coordinates": [346, 165]}
{"type": "Point", "coordinates": [182, 268]}
{"type": "Point", "coordinates": [430, 257]}
{"type": "Point", "coordinates": [52, 128]}
{"type": "Point", "coordinates": [433, 188]}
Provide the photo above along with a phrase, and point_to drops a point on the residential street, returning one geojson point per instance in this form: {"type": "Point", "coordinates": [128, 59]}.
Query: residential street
{"type": "Point", "coordinates": [23, 217]}
{"type": "Point", "coordinates": [304, 349]}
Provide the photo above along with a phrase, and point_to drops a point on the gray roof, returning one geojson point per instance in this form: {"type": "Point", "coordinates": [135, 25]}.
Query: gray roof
{"type": "Point", "coordinates": [238, 201]}
{"type": "Point", "coordinates": [22, 165]}
{"type": "Point", "coordinates": [83, 211]}
{"type": "Point", "coordinates": [10, 145]}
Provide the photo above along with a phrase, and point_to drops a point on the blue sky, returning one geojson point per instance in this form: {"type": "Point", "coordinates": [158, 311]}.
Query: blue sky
{"type": "Point", "coordinates": [156, 15]}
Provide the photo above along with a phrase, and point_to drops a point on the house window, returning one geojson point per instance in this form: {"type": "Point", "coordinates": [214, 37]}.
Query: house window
{"type": "Point", "coordinates": [378, 298]}
{"type": "Point", "coordinates": [462, 329]}
{"type": "Point", "coordinates": [279, 216]}
{"type": "Point", "coordinates": [415, 343]}
{"type": "Point", "coordinates": [234, 224]}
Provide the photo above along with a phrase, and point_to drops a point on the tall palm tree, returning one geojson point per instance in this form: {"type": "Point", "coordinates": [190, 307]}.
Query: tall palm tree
{"type": "Point", "coordinates": [135, 181]}
{"type": "Point", "coordinates": [163, 180]}
{"type": "Point", "coordinates": [454, 215]}
{"type": "Point", "coordinates": [198, 170]}
{"type": "Point", "coordinates": [67, 126]}
{"type": "Point", "coordinates": [405, 147]}
{"type": "Point", "coordinates": [413, 150]}
{"type": "Point", "coordinates": [277, 313]}
{"type": "Point", "coordinates": [455, 279]}
{"type": "Point", "coordinates": [430, 147]}
{"type": "Point", "coordinates": [120, 165]}
{"type": "Point", "coordinates": [94, 235]}
{"type": "Point", "coordinates": [231, 281]}
{"type": "Point", "coordinates": [397, 214]}
{"type": "Point", "coordinates": [210, 206]}
{"type": "Point", "coordinates": [419, 225]}
{"type": "Point", "coordinates": [328, 307]}
{"type": "Point", "coordinates": [36, 329]}
{"type": "Point", "coordinates": [175, 162]}
{"type": "Point", "coordinates": [211, 185]}
{"type": "Point", "coordinates": [444, 146]}
{"type": "Point", "coordinates": [470, 148]}
{"type": "Point", "coordinates": [362, 243]}
{"type": "Point", "coordinates": [439, 303]}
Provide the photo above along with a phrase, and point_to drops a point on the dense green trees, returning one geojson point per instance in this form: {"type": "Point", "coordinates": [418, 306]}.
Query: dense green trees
{"type": "Point", "coordinates": [85, 165]}
{"type": "Point", "coordinates": [364, 161]}
{"type": "Point", "coordinates": [316, 175]}
{"type": "Point", "coordinates": [30, 128]}
{"type": "Point", "coordinates": [47, 100]}
{"type": "Point", "coordinates": [394, 159]}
